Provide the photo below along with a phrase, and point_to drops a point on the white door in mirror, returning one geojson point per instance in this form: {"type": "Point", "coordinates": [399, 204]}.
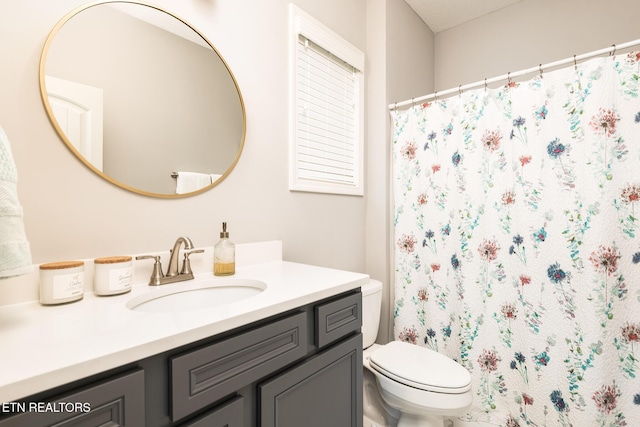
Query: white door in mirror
{"type": "Point", "coordinates": [78, 109]}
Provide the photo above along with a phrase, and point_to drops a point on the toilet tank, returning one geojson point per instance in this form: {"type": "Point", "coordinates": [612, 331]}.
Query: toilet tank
{"type": "Point", "coordinates": [371, 304]}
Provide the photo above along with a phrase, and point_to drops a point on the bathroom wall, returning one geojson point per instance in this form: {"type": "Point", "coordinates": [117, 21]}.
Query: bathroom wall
{"type": "Point", "coordinates": [71, 213]}
{"type": "Point", "coordinates": [529, 33]}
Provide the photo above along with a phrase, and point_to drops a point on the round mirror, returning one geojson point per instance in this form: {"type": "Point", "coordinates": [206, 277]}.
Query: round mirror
{"type": "Point", "coordinates": [142, 98]}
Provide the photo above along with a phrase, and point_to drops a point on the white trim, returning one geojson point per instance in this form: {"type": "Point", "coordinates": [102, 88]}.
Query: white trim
{"type": "Point", "coordinates": [300, 23]}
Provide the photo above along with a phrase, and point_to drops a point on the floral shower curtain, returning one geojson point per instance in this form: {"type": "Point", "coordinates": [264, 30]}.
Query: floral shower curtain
{"type": "Point", "coordinates": [518, 243]}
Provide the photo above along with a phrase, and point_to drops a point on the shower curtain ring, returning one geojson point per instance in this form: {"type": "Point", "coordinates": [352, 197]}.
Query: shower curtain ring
{"type": "Point", "coordinates": [613, 53]}
{"type": "Point", "coordinates": [575, 63]}
{"type": "Point", "coordinates": [485, 84]}
{"type": "Point", "coordinates": [540, 68]}
{"type": "Point", "coordinates": [459, 90]}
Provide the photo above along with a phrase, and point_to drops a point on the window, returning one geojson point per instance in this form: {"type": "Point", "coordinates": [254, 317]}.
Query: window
{"type": "Point", "coordinates": [326, 110]}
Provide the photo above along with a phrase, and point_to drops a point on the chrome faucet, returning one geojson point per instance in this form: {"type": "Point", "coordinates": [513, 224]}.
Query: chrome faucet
{"type": "Point", "coordinates": [172, 276]}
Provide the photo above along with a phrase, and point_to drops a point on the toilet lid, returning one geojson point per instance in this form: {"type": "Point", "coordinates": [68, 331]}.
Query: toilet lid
{"type": "Point", "coordinates": [420, 367]}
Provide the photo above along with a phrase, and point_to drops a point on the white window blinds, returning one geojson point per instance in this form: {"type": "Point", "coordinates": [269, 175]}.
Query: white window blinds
{"type": "Point", "coordinates": [327, 121]}
{"type": "Point", "coordinates": [326, 116]}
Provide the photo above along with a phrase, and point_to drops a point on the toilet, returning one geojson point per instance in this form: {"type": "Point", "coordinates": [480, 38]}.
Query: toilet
{"type": "Point", "coordinates": [406, 385]}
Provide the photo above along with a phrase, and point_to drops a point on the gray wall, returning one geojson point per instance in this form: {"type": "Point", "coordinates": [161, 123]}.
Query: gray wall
{"type": "Point", "coordinates": [529, 33]}
{"type": "Point", "coordinates": [71, 213]}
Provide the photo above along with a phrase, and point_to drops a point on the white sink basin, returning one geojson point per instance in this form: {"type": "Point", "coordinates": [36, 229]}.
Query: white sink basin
{"type": "Point", "coordinates": [196, 294]}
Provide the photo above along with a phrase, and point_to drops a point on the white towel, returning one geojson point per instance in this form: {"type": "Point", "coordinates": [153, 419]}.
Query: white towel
{"type": "Point", "coordinates": [15, 254]}
{"type": "Point", "coordinates": [188, 182]}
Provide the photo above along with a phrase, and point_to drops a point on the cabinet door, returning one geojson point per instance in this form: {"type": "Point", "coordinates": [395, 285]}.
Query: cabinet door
{"type": "Point", "coordinates": [325, 390]}
{"type": "Point", "coordinates": [117, 402]}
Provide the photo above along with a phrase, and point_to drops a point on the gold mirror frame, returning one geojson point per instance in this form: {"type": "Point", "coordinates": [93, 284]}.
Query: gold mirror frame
{"type": "Point", "coordinates": [70, 146]}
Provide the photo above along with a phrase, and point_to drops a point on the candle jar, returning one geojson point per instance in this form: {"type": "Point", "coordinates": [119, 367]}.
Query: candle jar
{"type": "Point", "coordinates": [113, 275]}
{"type": "Point", "coordinates": [61, 282]}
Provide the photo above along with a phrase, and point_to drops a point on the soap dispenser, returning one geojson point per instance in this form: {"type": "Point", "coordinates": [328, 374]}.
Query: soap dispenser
{"type": "Point", "coordinates": [224, 255]}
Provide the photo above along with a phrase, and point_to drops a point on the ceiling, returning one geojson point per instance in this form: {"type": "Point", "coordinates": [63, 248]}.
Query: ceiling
{"type": "Point", "coordinates": [440, 15]}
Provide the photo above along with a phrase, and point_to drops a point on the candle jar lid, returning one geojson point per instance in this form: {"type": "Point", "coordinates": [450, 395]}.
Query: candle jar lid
{"type": "Point", "coordinates": [61, 265]}
{"type": "Point", "coordinates": [112, 259]}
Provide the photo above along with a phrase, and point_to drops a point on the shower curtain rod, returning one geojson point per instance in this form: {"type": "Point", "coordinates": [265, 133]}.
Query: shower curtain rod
{"type": "Point", "coordinates": [574, 59]}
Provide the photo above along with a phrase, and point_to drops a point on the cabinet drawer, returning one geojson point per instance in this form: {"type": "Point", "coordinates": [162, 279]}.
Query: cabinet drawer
{"type": "Point", "coordinates": [115, 402]}
{"type": "Point", "coordinates": [337, 319]}
{"type": "Point", "coordinates": [206, 375]}
{"type": "Point", "coordinates": [229, 414]}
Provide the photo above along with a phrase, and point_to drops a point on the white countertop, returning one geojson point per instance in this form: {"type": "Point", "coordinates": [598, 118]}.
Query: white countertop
{"type": "Point", "coordinates": [46, 346]}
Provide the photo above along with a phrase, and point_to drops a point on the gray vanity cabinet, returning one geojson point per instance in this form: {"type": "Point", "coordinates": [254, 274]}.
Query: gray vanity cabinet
{"type": "Point", "coordinates": [301, 368]}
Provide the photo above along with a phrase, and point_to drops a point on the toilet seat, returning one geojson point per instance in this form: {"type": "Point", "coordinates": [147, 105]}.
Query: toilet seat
{"type": "Point", "coordinates": [421, 368]}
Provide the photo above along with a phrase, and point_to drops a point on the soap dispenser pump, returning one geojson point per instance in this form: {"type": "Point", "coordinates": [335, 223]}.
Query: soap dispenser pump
{"type": "Point", "coordinates": [224, 255]}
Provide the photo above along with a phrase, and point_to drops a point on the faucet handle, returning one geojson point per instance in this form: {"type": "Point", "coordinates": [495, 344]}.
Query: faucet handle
{"type": "Point", "coordinates": [186, 264]}
{"type": "Point", "coordinates": [157, 273]}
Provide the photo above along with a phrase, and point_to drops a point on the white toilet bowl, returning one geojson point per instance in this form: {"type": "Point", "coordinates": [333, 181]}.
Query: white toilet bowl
{"type": "Point", "coordinates": [419, 387]}
{"type": "Point", "coordinates": [426, 387]}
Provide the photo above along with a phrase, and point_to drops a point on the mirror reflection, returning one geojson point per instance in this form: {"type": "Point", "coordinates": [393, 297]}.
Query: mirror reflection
{"type": "Point", "coordinates": [142, 99]}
